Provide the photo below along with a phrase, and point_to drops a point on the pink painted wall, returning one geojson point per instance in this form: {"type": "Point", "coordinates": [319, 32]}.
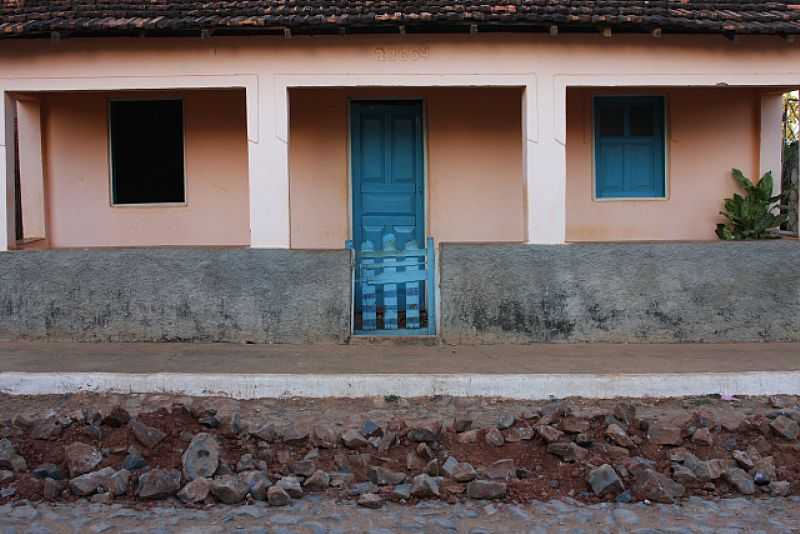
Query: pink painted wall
{"type": "Point", "coordinates": [709, 132]}
{"type": "Point", "coordinates": [77, 177]}
{"type": "Point", "coordinates": [474, 143]}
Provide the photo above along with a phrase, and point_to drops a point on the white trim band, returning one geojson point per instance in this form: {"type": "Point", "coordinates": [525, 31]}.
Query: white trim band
{"type": "Point", "coordinates": [516, 386]}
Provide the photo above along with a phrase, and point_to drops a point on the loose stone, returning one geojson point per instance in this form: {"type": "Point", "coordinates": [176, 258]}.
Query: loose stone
{"type": "Point", "coordinates": [201, 458]}
{"type": "Point", "coordinates": [146, 435]}
{"type": "Point", "coordinates": [424, 486]}
{"type": "Point", "coordinates": [501, 470]}
{"type": "Point", "coordinates": [549, 434]}
{"type": "Point", "coordinates": [81, 458]}
{"type": "Point", "coordinates": [370, 500]}
{"type": "Point", "coordinates": [229, 489]}
{"type": "Point", "coordinates": [195, 491]}
{"type": "Point", "coordinates": [277, 496]}
{"type": "Point", "coordinates": [615, 433]}
{"type": "Point", "coordinates": [159, 483]}
{"type": "Point", "coordinates": [449, 466]}
{"type": "Point", "coordinates": [385, 477]}
{"type": "Point", "coordinates": [703, 437]}
{"type": "Point", "coordinates": [740, 480]}
{"type": "Point", "coordinates": [292, 486]}
{"type": "Point", "coordinates": [785, 427]}
{"type": "Point", "coordinates": [604, 480]}
{"type": "Point", "coordinates": [505, 421]}
{"type": "Point", "coordinates": [371, 429]}
{"type": "Point", "coordinates": [664, 435]}
{"type": "Point", "coordinates": [464, 472]}
{"type": "Point", "coordinates": [486, 489]}
{"type": "Point", "coordinates": [462, 424]}
{"type": "Point", "coordinates": [652, 485]}
{"type": "Point", "coordinates": [494, 438]}
{"type": "Point", "coordinates": [468, 437]}
{"type": "Point", "coordinates": [319, 481]}
{"type": "Point", "coordinates": [49, 471]}
{"type": "Point", "coordinates": [353, 439]}
{"type": "Point", "coordinates": [567, 451]}
{"type": "Point", "coordinates": [258, 482]}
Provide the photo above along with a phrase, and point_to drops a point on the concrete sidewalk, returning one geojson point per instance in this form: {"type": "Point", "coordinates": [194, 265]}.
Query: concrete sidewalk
{"type": "Point", "coordinates": [514, 371]}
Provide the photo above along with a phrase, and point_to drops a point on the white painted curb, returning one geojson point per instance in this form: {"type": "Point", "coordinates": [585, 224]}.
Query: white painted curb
{"type": "Point", "coordinates": [516, 386]}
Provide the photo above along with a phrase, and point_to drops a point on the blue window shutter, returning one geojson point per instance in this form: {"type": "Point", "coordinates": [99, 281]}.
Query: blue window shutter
{"type": "Point", "coordinates": [629, 147]}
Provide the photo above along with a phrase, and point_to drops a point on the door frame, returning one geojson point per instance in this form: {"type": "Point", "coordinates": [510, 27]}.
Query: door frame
{"type": "Point", "coordinates": [425, 197]}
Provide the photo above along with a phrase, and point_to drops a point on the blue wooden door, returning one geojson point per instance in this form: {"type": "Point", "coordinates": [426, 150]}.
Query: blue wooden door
{"type": "Point", "coordinates": [387, 167]}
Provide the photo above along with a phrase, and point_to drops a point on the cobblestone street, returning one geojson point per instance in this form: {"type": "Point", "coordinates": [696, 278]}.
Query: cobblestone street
{"type": "Point", "coordinates": [318, 515]}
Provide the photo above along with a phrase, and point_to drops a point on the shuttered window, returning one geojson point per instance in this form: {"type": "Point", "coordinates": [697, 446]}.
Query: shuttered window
{"type": "Point", "coordinates": [629, 147]}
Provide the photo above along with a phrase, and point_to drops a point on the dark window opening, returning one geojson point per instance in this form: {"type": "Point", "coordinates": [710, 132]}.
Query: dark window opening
{"type": "Point", "coordinates": [147, 152]}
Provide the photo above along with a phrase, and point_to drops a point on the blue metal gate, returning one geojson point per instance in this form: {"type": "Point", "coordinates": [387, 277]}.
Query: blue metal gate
{"type": "Point", "coordinates": [394, 289]}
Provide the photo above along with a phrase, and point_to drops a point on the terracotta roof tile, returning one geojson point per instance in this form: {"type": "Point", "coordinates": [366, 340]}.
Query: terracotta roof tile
{"type": "Point", "coordinates": [110, 17]}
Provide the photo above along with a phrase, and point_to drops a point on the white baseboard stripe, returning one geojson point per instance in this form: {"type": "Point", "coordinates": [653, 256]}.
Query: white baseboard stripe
{"type": "Point", "coordinates": [512, 386]}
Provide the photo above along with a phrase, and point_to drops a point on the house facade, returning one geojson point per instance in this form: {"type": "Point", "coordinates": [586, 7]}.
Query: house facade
{"type": "Point", "coordinates": [284, 172]}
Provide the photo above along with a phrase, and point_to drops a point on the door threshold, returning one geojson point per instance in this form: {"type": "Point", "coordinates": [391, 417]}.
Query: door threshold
{"type": "Point", "coordinates": [395, 338]}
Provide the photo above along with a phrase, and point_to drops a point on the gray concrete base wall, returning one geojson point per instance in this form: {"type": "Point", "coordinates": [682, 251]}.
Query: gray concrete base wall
{"type": "Point", "coordinates": [203, 295]}
{"type": "Point", "coordinates": [688, 292]}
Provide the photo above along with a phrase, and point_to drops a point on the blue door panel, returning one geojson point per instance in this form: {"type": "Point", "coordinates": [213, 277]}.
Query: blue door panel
{"type": "Point", "coordinates": [387, 170]}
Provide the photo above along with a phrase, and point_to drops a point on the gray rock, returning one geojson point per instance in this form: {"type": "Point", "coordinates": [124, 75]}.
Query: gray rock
{"type": "Point", "coordinates": [324, 436]}
{"type": "Point", "coordinates": [501, 470]}
{"type": "Point", "coordinates": [785, 427]}
{"type": "Point", "coordinates": [401, 492]}
{"type": "Point", "coordinates": [117, 418]}
{"type": "Point", "coordinates": [568, 451]}
{"type": "Point", "coordinates": [9, 459]}
{"type": "Point", "coordinates": [292, 486]}
{"type": "Point", "coordinates": [118, 483]}
{"type": "Point", "coordinates": [246, 463]}
{"type": "Point", "coordinates": [519, 433]}
{"type": "Point", "coordinates": [201, 458]}
{"type": "Point", "coordinates": [146, 435]}
{"type": "Point", "coordinates": [652, 485]}
{"type": "Point", "coordinates": [266, 432]}
{"type": "Point", "coordinates": [277, 496]}
{"type": "Point", "coordinates": [683, 474]}
{"type": "Point", "coordinates": [318, 481]}
{"type": "Point", "coordinates": [703, 436]}
{"type": "Point", "coordinates": [258, 482]}
{"type": "Point", "coordinates": [295, 435]}
{"type": "Point", "coordinates": [89, 483]}
{"type": "Point", "coordinates": [371, 429]}
{"type": "Point", "coordinates": [385, 477]}
{"type": "Point", "coordinates": [229, 489]}
{"type": "Point", "coordinates": [102, 498]}
{"type": "Point", "coordinates": [433, 468]}
{"type": "Point", "coordinates": [133, 462]}
{"type": "Point", "coordinates": [780, 488]}
{"type": "Point", "coordinates": [352, 439]}
{"type": "Point", "coordinates": [195, 491]}
{"type": "Point", "coordinates": [664, 434]}
{"type": "Point", "coordinates": [81, 458]}
{"type": "Point", "coordinates": [427, 432]}
{"type": "Point", "coordinates": [494, 438]}
{"type": "Point", "coordinates": [6, 475]}
{"type": "Point", "coordinates": [462, 424]}
{"type": "Point", "coordinates": [49, 428]}
{"type": "Point", "coordinates": [424, 486]}
{"type": "Point", "coordinates": [449, 466]}
{"type": "Point", "coordinates": [549, 434]}
{"type": "Point", "coordinates": [505, 421]}
{"type": "Point", "coordinates": [49, 471]}
{"type": "Point", "coordinates": [159, 483]}
{"type": "Point", "coordinates": [370, 500]}
{"type": "Point", "coordinates": [740, 480]}
{"type": "Point", "coordinates": [53, 489]}
{"type": "Point", "coordinates": [604, 480]}
{"type": "Point", "coordinates": [616, 434]}
{"type": "Point", "coordinates": [303, 468]}
{"type": "Point", "coordinates": [486, 489]}
{"type": "Point", "coordinates": [743, 459]}
{"type": "Point", "coordinates": [464, 472]}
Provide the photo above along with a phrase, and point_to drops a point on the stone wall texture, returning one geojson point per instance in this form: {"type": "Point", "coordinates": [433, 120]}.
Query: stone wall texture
{"type": "Point", "coordinates": [176, 294]}
{"type": "Point", "coordinates": [683, 292]}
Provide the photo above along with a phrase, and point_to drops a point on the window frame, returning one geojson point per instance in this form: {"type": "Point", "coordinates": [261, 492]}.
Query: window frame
{"type": "Point", "coordinates": [666, 138]}
{"type": "Point", "coordinates": [185, 202]}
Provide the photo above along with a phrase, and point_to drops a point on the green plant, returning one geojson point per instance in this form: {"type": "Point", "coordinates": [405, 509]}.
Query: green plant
{"type": "Point", "coordinates": [754, 215]}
